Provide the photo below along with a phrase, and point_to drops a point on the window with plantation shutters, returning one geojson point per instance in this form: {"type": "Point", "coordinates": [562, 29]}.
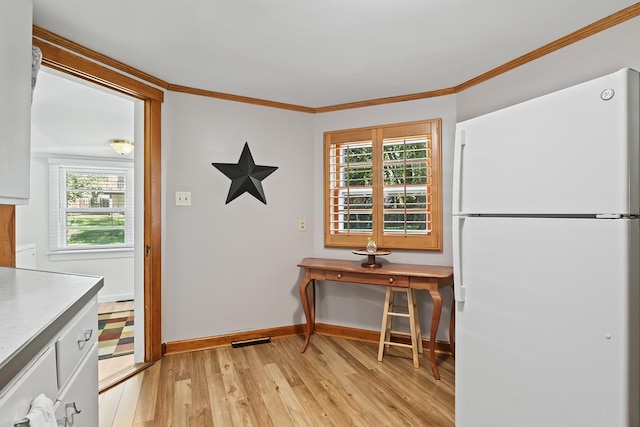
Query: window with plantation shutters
{"type": "Point", "coordinates": [91, 206]}
{"type": "Point", "coordinates": [384, 183]}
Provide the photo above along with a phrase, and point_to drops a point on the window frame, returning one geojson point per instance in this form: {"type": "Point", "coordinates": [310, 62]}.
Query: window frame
{"type": "Point", "coordinates": [431, 241]}
{"type": "Point", "coordinates": [58, 167]}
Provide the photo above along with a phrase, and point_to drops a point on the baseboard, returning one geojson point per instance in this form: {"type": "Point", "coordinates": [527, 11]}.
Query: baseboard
{"type": "Point", "coordinates": [195, 344]}
{"type": "Point", "coordinates": [114, 297]}
{"type": "Point", "coordinates": [367, 335]}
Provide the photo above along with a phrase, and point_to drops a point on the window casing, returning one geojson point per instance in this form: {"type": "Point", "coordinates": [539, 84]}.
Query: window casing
{"type": "Point", "coordinates": [91, 205]}
{"type": "Point", "coordinates": [384, 182]}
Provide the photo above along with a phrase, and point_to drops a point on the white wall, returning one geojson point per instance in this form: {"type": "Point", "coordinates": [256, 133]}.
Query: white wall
{"type": "Point", "coordinates": [232, 267]}
{"type": "Point", "coordinates": [72, 118]}
{"type": "Point", "coordinates": [360, 306]}
{"type": "Point", "coordinates": [600, 54]}
{"type": "Point", "coordinates": [32, 226]}
{"type": "Point", "coordinates": [229, 268]}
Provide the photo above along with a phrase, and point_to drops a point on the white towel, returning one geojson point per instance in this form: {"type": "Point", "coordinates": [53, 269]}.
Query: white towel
{"type": "Point", "coordinates": [41, 412]}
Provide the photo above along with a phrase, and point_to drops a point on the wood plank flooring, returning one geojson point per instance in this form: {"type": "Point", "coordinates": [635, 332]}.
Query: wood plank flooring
{"type": "Point", "coordinates": [336, 382]}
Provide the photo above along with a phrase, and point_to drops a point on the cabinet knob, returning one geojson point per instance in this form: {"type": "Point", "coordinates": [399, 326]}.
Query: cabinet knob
{"type": "Point", "coordinates": [391, 280]}
{"type": "Point", "coordinates": [339, 275]}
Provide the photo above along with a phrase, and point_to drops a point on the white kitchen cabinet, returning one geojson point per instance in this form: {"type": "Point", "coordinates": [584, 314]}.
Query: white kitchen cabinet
{"type": "Point", "coordinates": [76, 342]}
{"type": "Point", "coordinates": [77, 404]}
{"type": "Point", "coordinates": [38, 378]}
{"type": "Point", "coordinates": [49, 345]}
{"type": "Point", "coordinates": [15, 100]}
{"type": "Point", "coordinates": [66, 372]}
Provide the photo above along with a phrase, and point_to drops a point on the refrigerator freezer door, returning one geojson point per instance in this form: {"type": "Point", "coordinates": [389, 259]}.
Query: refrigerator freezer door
{"type": "Point", "coordinates": [549, 329]}
{"type": "Point", "coordinates": [574, 151]}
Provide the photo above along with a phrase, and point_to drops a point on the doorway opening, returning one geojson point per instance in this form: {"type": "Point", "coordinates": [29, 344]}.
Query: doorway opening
{"type": "Point", "coordinates": [148, 114]}
{"type": "Point", "coordinates": [83, 215]}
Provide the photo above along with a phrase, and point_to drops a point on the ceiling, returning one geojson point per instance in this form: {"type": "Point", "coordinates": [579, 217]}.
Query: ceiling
{"type": "Point", "coordinates": [72, 117]}
{"type": "Point", "coordinates": [317, 53]}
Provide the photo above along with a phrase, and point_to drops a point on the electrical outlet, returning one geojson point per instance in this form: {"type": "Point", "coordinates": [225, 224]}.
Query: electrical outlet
{"type": "Point", "coordinates": [183, 198]}
{"type": "Point", "coordinates": [302, 224]}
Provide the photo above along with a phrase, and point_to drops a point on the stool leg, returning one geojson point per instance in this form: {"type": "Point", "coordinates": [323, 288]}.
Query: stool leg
{"type": "Point", "coordinates": [412, 323]}
{"type": "Point", "coordinates": [418, 329]}
{"type": "Point", "coordinates": [385, 328]}
{"type": "Point", "coordinates": [390, 317]}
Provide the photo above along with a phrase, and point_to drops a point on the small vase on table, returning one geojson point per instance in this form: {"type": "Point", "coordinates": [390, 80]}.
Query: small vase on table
{"type": "Point", "coordinates": [371, 245]}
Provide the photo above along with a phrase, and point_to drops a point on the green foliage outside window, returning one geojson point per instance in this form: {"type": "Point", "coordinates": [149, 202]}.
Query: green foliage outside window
{"type": "Point", "coordinates": [405, 175]}
{"type": "Point", "coordinates": [95, 214]}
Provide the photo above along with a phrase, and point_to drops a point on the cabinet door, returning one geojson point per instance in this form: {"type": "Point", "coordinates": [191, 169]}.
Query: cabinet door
{"type": "Point", "coordinates": [40, 377]}
{"type": "Point", "coordinates": [76, 341]}
{"type": "Point", "coordinates": [15, 100]}
{"type": "Point", "coordinates": [78, 402]}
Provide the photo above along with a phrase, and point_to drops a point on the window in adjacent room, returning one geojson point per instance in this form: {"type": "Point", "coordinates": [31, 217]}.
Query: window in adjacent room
{"type": "Point", "coordinates": [91, 205]}
{"type": "Point", "coordinates": [384, 182]}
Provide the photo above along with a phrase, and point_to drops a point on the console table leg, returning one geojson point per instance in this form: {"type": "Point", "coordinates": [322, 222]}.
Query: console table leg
{"type": "Point", "coordinates": [308, 297]}
{"type": "Point", "coordinates": [435, 322]}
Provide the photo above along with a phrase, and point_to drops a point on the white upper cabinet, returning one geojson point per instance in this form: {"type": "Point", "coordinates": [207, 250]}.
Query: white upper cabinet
{"type": "Point", "coordinates": [15, 100]}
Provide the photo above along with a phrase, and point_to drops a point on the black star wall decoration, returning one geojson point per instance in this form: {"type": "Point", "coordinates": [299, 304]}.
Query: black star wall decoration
{"type": "Point", "coordinates": [246, 176]}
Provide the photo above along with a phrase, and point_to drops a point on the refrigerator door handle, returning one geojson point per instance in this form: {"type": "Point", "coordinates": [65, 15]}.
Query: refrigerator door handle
{"type": "Point", "coordinates": [457, 168]}
{"type": "Point", "coordinates": [458, 288]}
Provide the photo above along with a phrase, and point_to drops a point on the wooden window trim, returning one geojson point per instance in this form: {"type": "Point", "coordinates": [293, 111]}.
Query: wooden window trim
{"type": "Point", "coordinates": [377, 134]}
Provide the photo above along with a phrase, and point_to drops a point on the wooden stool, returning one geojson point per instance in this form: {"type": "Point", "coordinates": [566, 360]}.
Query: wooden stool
{"type": "Point", "coordinates": [410, 311]}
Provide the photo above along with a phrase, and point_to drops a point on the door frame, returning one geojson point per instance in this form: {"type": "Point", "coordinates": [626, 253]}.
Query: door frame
{"type": "Point", "coordinates": [67, 62]}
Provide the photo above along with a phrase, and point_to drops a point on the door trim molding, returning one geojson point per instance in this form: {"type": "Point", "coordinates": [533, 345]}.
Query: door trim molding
{"type": "Point", "coordinates": [72, 64]}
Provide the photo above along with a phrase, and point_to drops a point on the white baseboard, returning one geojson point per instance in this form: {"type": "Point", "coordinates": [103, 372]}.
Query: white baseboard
{"type": "Point", "coordinates": [114, 297]}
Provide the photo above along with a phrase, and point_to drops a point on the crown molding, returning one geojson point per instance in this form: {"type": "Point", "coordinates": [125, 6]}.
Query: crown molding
{"type": "Point", "coordinates": [605, 23]}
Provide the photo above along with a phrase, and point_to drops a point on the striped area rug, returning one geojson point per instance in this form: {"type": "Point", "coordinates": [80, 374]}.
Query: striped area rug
{"type": "Point", "coordinates": [115, 334]}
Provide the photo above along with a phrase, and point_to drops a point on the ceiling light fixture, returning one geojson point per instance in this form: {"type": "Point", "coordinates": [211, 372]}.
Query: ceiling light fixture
{"type": "Point", "coordinates": [122, 146]}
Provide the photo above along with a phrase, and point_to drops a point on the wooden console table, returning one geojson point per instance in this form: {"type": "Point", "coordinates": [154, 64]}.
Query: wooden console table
{"type": "Point", "coordinates": [423, 277]}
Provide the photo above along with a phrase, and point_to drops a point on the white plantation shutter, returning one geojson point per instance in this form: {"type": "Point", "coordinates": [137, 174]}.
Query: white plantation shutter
{"type": "Point", "coordinates": [351, 187]}
{"type": "Point", "coordinates": [384, 182]}
{"type": "Point", "coordinates": [91, 205]}
{"type": "Point", "coordinates": [407, 173]}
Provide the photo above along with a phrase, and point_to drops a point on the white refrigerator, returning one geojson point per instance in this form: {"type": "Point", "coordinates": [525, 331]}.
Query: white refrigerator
{"type": "Point", "coordinates": [546, 242]}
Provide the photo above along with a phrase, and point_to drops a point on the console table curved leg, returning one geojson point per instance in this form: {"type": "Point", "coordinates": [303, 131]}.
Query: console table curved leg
{"type": "Point", "coordinates": [312, 303]}
{"type": "Point", "coordinates": [435, 322]}
{"type": "Point", "coordinates": [308, 299]}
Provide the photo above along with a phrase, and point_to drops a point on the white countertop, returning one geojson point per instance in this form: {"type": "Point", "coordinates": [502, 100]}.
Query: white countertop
{"type": "Point", "coordinates": [34, 306]}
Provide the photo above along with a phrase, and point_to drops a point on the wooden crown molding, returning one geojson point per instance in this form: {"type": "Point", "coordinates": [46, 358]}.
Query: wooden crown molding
{"type": "Point", "coordinates": [387, 100]}
{"type": "Point", "coordinates": [60, 41]}
{"type": "Point", "coordinates": [583, 33]}
{"type": "Point", "coordinates": [239, 98]}
{"type": "Point", "coordinates": [68, 62]}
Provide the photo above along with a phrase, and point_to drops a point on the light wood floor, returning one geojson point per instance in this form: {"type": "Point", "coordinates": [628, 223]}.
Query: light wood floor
{"type": "Point", "coordinates": [336, 382]}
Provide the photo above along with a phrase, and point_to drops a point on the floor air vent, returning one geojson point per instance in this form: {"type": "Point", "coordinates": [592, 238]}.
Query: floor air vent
{"type": "Point", "coordinates": [236, 344]}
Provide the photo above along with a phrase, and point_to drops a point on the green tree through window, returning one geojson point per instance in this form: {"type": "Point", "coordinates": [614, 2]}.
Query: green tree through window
{"type": "Point", "coordinates": [95, 207]}
{"type": "Point", "coordinates": [384, 182]}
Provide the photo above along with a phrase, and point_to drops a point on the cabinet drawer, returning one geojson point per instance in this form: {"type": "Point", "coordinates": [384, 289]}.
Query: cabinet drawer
{"type": "Point", "coordinates": [76, 341]}
{"type": "Point", "coordinates": [78, 401]}
{"type": "Point", "coordinates": [38, 378]}
{"type": "Point", "coordinates": [373, 279]}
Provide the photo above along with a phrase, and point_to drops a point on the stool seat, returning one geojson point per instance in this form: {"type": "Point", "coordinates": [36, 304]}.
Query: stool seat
{"type": "Point", "coordinates": [410, 311]}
